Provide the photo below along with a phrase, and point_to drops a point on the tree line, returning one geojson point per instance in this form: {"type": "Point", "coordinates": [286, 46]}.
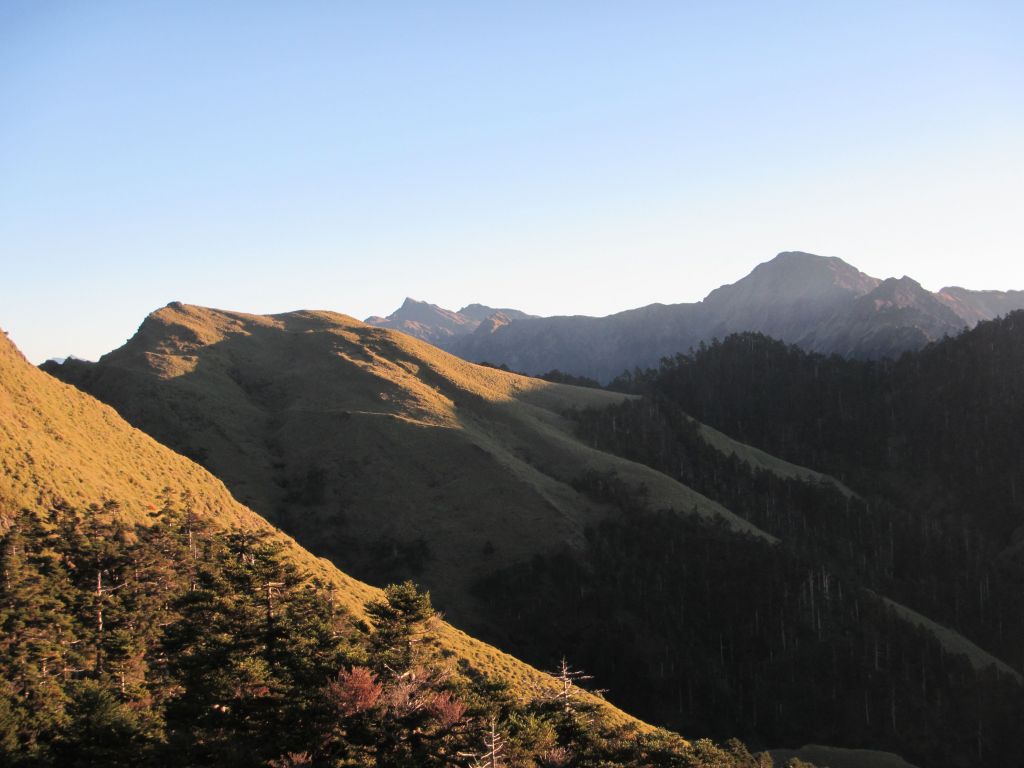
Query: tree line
{"type": "Point", "coordinates": [695, 627]}
{"type": "Point", "coordinates": [177, 643]}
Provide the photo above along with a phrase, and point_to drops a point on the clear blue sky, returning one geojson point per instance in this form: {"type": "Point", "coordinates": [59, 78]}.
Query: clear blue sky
{"type": "Point", "coordinates": [556, 157]}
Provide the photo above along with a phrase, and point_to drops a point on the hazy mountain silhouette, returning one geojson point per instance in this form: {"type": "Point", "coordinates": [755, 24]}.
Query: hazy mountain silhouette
{"type": "Point", "coordinates": [438, 325]}
{"type": "Point", "coordinates": [820, 303]}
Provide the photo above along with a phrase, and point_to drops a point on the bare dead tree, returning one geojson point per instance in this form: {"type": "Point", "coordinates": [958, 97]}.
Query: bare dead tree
{"type": "Point", "coordinates": [494, 745]}
{"type": "Point", "coordinates": [568, 678]}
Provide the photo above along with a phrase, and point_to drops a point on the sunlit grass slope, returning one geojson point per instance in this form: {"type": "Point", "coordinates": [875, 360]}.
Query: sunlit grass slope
{"type": "Point", "coordinates": [381, 452]}
{"type": "Point", "coordinates": [59, 444]}
{"type": "Point", "coordinates": [376, 450]}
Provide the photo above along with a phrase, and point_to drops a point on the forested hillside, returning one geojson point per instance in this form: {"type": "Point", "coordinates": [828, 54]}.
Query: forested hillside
{"type": "Point", "coordinates": [164, 623]}
{"type": "Point", "coordinates": [926, 523]}
{"type": "Point", "coordinates": [175, 643]}
{"type": "Point", "coordinates": [687, 622]}
{"type": "Point", "coordinates": [713, 588]}
{"type": "Point", "coordinates": [938, 431]}
{"type": "Point", "coordinates": [384, 454]}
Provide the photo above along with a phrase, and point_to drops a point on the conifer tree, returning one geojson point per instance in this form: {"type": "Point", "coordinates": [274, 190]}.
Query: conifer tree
{"type": "Point", "coordinates": [400, 625]}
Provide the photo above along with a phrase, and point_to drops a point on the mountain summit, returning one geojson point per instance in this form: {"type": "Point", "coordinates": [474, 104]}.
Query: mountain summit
{"type": "Point", "coordinates": [59, 446]}
{"type": "Point", "coordinates": [435, 324]}
{"type": "Point", "coordinates": [820, 303]}
{"type": "Point", "coordinates": [793, 277]}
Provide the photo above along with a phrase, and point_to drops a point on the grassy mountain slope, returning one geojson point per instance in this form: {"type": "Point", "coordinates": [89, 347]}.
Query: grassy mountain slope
{"type": "Point", "coordinates": [376, 450]}
{"type": "Point", "coordinates": [759, 459]}
{"type": "Point", "coordinates": [954, 642]}
{"type": "Point", "coordinates": [392, 457]}
{"type": "Point", "coordinates": [58, 443]}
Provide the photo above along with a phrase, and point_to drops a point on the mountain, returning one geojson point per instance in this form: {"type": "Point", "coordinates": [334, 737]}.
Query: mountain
{"type": "Point", "coordinates": [931, 441]}
{"type": "Point", "coordinates": [788, 295]}
{"type": "Point", "coordinates": [937, 429]}
{"type": "Point", "coordinates": [437, 325]}
{"type": "Point", "coordinates": [60, 445]}
{"type": "Point", "coordinates": [711, 586]}
{"type": "Point", "coordinates": [320, 422]}
{"type": "Point", "coordinates": [975, 306]}
{"type": "Point", "coordinates": [89, 522]}
{"type": "Point", "coordinates": [822, 304]}
{"type": "Point", "coordinates": [928, 516]}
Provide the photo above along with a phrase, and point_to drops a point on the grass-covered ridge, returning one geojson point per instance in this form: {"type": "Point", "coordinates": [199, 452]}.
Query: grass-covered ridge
{"type": "Point", "coordinates": [380, 452]}
{"type": "Point", "coordinates": [59, 446]}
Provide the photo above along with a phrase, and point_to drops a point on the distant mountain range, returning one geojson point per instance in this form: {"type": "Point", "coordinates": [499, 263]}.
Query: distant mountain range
{"type": "Point", "coordinates": [819, 303]}
{"type": "Point", "coordinates": [437, 325]}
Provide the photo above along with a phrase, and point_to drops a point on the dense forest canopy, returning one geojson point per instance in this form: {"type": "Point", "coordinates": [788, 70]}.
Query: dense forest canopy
{"type": "Point", "coordinates": [689, 623]}
{"type": "Point", "coordinates": [938, 429]}
{"type": "Point", "coordinates": [930, 446]}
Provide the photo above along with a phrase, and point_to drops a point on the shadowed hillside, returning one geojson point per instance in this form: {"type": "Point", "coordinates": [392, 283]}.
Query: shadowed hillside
{"type": "Point", "coordinates": [60, 446]}
{"type": "Point", "coordinates": [376, 450]}
{"type": "Point", "coordinates": [503, 494]}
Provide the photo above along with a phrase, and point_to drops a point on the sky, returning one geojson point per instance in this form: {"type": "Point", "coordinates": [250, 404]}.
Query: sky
{"type": "Point", "coordinates": [560, 158]}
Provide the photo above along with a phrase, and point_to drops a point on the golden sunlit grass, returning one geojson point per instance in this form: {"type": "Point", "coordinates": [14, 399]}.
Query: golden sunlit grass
{"type": "Point", "coordinates": [58, 443]}
{"type": "Point", "coordinates": [410, 444]}
{"type": "Point", "coordinates": [404, 442]}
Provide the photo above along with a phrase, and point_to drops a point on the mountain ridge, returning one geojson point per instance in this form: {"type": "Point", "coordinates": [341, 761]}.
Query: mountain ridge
{"type": "Point", "coordinates": [435, 324]}
{"type": "Point", "coordinates": [820, 303]}
{"type": "Point", "coordinates": [386, 453]}
{"type": "Point", "coordinates": [48, 430]}
{"type": "Point", "coordinates": [318, 420]}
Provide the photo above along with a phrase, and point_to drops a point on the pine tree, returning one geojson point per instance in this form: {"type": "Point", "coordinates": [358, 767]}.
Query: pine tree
{"type": "Point", "coordinates": [38, 645]}
{"type": "Point", "coordinates": [400, 624]}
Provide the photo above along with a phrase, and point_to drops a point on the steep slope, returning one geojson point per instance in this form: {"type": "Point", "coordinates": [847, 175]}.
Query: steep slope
{"type": "Point", "coordinates": [976, 306]}
{"type": "Point", "coordinates": [376, 450]}
{"type": "Point", "coordinates": [59, 444]}
{"type": "Point", "coordinates": [788, 296]}
{"type": "Point", "coordinates": [820, 303]}
{"type": "Point", "coordinates": [897, 316]}
{"type": "Point", "coordinates": [500, 493]}
{"type": "Point", "coordinates": [931, 443]}
{"type": "Point", "coordinates": [437, 325]}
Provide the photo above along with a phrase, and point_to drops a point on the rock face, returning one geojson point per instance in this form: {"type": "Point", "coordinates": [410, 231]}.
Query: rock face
{"type": "Point", "coordinates": [819, 303]}
{"type": "Point", "coordinates": [435, 324]}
